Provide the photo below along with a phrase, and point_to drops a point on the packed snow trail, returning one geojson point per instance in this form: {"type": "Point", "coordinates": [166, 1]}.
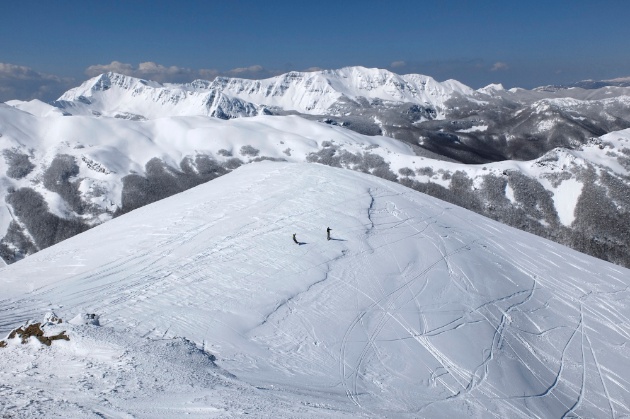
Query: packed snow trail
{"type": "Point", "coordinates": [415, 307]}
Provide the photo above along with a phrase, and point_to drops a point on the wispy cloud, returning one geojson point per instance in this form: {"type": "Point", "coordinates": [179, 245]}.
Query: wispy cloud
{"type": "Point", "coordinates": [251, 72]}
{"type": "Point", "coordinates": [499, 66]}
{"type": "Point", "coordinates": [250, 69]}
{"type": "Point", "coordinates": [24, 83]}
{"type": "Point", "coordinates": [620, 79]}
{"type": "Point", "coordinates": [152, 71]}
{"type": "Point", "coordinates": [114, 66]}
{"type": "Point", "coordinates": [398, 64]}
{"type": "Point", "coordinates": [175, 74]}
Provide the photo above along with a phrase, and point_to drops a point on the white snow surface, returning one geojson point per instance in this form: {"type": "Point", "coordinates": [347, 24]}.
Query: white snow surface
{"type": "Point", "coordinates": [565, 199]}
{"type": "Point", "coordinates": [475, 128]}
{"type": "Point", "coordinates": [415, 308]}
{"type": "Point", "coordinates": [36, 107]}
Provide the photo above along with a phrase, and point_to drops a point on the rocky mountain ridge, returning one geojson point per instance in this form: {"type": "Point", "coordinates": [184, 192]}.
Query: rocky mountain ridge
{"type": "Point", "coordinates": [314, 93]}
{"type": "Point", "coordinates": [436, 117]}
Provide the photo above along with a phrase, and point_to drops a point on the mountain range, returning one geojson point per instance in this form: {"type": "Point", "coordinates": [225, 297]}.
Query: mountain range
{"type": "Point", "coordinates": [551, 161]}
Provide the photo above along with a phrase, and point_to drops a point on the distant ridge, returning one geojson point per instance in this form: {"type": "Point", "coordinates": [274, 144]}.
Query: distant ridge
{"type": "Point", "coordinates": [316, 93]}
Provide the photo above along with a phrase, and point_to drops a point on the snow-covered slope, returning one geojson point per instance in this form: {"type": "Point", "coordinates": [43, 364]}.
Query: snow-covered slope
{"type": "Point", "coordinates": [415, 308]}
{"type": "Point", "coordinates": [85, 169]}
{"type": "Point", "coordinates": [318, 92]}
{"type": "Point", "coordinates": [36, 107]}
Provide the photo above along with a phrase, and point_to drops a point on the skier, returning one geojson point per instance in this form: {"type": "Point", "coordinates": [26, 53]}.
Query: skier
{"type": "Point", "coordinates": [328, 233]}
{"type": "Point", "coordinates": [294, 239]}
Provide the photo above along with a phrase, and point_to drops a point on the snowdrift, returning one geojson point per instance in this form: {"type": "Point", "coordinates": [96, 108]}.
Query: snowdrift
{"type": "Point", "coordinates": [414, 308]}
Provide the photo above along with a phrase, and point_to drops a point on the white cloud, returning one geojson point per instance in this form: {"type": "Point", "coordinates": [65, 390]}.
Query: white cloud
{"type": "Point", "coordinates": [114, 66]}
{"type": "Point", "coordinates": [397, 64]}
{"type": "Point", "coordinates": [173, 74]}
{"type": "Point", "coordinates": [209, 74]}
{"type": "Point", "coordinates": [250, 69]}
{"type": "Point", "coordinates": [24, 83]}
{"type": "Point", "coordinates": [252, 72]}
{"type": "Point", "coordinates": [152, 71]}
{"type": "Point", "coordinates": [158, 72]}
{"type": "Point", "coordinates": [499, 66]}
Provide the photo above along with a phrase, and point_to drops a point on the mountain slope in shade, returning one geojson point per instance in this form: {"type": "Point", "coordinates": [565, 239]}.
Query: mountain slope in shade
{"type": "Point", "coordinates": [415, 308]}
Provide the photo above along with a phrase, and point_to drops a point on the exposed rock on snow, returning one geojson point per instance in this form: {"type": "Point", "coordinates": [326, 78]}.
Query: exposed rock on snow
{"type": "Point", "coordinates": [36, 331]}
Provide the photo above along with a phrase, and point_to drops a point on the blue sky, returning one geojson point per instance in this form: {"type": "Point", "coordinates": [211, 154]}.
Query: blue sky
{"type": "Point", "coordinates": [49, 46]}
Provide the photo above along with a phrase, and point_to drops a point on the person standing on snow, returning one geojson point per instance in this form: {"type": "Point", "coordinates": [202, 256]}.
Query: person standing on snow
{"type": "Point", "coordinates": [294, 239]}
{"type": "Point", "coordinates": [328, 233]}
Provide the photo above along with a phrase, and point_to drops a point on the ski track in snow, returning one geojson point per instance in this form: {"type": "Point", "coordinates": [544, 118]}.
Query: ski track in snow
{"type": "Point", "coordinates": [414, 308]}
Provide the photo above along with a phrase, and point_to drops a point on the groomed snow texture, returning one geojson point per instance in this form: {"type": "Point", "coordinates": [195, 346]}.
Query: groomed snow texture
{"type": "Point", "coordinates": [415, 308]}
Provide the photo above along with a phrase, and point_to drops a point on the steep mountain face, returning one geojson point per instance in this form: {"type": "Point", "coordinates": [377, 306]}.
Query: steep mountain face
{"type": "Point", "coordinates": [118, 96]}
{"type": "Point", "coordinates": [313, 93]}
{"type": "Point", "coordinates": [326, 92]}
{"type": "Point", "coordinates": [201, 304]}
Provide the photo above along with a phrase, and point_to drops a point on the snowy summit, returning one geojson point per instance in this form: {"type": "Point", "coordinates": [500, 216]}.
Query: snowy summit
{"type": "Point", "coordinates": [316, 93]}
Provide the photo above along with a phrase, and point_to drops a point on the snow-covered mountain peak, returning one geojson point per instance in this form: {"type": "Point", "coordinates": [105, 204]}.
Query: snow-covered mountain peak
{"type": "Point", "coordinates": [492, 88]}
{"type": "Point", "coordinates": [106, 81]}
{"type": "Point", "coordinates": [375, 83]}
{"type": "Point", "coordinates": [119, 96]}
{"type": "Point", "coordinates": [318, 93]}
{"type": "Point", "coordinates": [199, 84]}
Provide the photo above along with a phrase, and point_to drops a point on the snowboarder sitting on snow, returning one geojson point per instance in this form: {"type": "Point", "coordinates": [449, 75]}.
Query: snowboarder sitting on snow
{"type": "Point", "coordinates": [328, 233]}
{"type": "Point", "coordinates": [294, 239]}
